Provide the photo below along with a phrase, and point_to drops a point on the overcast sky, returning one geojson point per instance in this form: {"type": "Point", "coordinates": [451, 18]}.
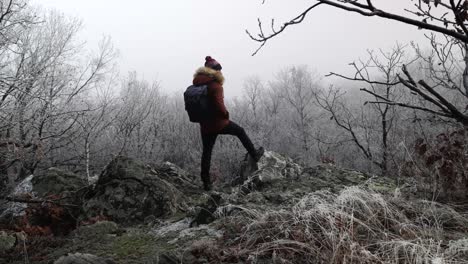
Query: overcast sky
{"type": "Point", "coordinates": [168, 40]}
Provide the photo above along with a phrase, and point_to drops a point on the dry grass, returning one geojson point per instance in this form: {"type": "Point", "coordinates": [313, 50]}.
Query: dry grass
{"type": "Point", "coordinates": [354, 226]}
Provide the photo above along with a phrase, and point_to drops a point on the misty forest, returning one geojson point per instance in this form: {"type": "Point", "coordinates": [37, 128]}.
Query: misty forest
{"type": "Point", "coordinates": [366, 165]}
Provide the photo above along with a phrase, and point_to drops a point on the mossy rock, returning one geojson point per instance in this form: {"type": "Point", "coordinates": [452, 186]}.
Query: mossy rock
{"type": "Point", "coordinates": [177, 177]}
{"type": "Point", "coordinates": [7, 241]}
{"type": "Point", "coordinates": [136, 246]}
{"type": "Point", "coordinates": [128, 192]}
{"type": "Point", "coordinates": [271, 168]}
{"type": "Point", "coordinates": [97, 229]}
{"type": "Point", "coordinates": [54, 181]}
{"type": "Point", "coordinates": [132, 244]}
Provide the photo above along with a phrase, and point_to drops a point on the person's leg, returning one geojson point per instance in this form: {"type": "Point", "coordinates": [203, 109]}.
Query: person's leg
{"type": "Point", "coordinates": [208, 141]}
{"type": "Point", "coordinates": [236, 130]}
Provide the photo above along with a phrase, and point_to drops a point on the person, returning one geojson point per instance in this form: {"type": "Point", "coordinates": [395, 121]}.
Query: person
{"type": "Point", "coordinates": [219, 123]}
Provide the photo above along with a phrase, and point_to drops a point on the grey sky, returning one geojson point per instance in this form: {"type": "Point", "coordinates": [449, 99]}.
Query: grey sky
{"type": "Point", "coordinates": [168, 40]}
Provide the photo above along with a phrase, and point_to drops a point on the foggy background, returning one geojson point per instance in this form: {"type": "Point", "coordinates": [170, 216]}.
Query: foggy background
{"type": "Point", "coordinates": [166, 41]}
{"type": "Point", "coordinates": [82, 82]}
{"type": "Point", "coordinates": [98, 154]}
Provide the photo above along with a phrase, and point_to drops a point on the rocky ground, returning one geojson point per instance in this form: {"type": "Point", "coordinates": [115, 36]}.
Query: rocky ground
{"type": "Point", "coordinates": [279, 213]}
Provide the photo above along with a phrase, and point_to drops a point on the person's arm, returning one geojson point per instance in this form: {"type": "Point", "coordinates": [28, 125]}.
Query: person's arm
{"type": "Point", "coordinates": [217, 95]}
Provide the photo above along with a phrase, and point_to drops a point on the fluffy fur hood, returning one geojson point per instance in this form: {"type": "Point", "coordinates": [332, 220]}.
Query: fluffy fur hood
{"type": "Point", "coordinates": [216, 75]}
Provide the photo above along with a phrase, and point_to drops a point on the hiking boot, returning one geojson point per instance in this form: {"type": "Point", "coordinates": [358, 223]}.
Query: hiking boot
{"type": "Point", "coordinates": [258, 154]}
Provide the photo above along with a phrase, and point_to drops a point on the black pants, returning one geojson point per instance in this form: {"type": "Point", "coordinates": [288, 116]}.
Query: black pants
{"type": "Point", "coordinates": [209, 141]}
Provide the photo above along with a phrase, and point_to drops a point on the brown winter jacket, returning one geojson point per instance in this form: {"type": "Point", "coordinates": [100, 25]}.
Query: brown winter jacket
{"type": "Point", "coordinates": [214, 79]}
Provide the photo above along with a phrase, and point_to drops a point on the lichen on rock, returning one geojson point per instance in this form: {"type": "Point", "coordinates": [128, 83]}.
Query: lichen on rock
{"type": "Point", "coordinates": [128, 192]}
{"type": "Point", "coordinates": [54, 181]}
{"type": "Point", "coordinates": [270, 168]}
{"type": "Point", "coordinates": [7, 241]}
{"type": "Point", "coordinates": [97, 229]}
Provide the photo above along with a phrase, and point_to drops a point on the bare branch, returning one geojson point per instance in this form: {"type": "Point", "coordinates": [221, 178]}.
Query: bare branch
{"type": "Point", "coordinates": [262, 38]}
{"type": "Point", "coordinates": [361, 79]}
{"type": "Point", "coordinates": [453, 110]}
{"type": "Point", "coordinates": [364, 10]}
{"type": "Point", "coordinates": [412, 107]}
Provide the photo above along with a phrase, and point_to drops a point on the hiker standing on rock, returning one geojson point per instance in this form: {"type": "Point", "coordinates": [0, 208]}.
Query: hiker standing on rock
{"type": "Point", "coordinates": [204, 102]}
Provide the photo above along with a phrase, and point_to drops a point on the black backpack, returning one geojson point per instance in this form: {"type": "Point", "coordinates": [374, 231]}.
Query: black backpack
{"type": "Point", "coordinates": [197, 103]}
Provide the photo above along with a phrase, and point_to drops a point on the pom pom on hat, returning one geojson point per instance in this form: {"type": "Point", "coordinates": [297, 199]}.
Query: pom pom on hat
{"type": "Point", "coordinates": [212, 63]}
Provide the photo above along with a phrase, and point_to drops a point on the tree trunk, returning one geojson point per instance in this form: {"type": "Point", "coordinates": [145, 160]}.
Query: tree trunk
{"type": "Point", "coordinates": [465, 73]}
{"type": "Point", "coordinates": [384, 146]}
{"type": "Point", "coordinates": [88, 176]}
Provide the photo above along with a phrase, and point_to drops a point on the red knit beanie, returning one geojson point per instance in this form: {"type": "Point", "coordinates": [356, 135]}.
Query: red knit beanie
{"type": "Point", "coordinates": [212, 63]}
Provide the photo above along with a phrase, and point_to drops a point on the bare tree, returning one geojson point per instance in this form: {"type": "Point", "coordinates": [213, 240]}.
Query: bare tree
{"type": "Point", "coordinates": [137, 104]}
{"type": "Point", "coordinates": [442, 16]}
{"type": "Point", "coordinates": [380, 75]}
{"type": "Point", "coordinates": [47, 79]}
{"type": "Point", "coordinates": [253, 91]}
{"type": "Point", "coordinates": [94, 124]}
{"type": "Point", "coordinates": [15, 16]}
{"type": "Point", "coordinates": [298, 86]}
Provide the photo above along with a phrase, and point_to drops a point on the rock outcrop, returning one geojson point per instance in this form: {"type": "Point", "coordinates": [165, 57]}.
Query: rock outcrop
{"type": "Point", "coordinates": [177, 177]}
{"type": "Point", "coordinates": [51, 184]}
{"type": "Point", "coordinates": [271, 168]}
{"type": "Point", "coordinates": [10, 210]}
{"type": "Point", "coordinates": [97, 229]}
{"type": "Point", "coordinates": [128, 192]}
{"type": "Point", "coordinates": [159, 214]}
{"type": "Point", "coordinates": [279, 181]}
{"type": "Point", "coordinates": [57, 182]}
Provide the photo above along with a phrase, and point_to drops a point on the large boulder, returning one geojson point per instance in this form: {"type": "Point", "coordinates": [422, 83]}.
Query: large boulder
{"type": "Point", "coordinates": [61, 192]}
{"type": "Point", "coordinates": [11, 210]}
{"type": "Point", "coordinates": [281, 174]}
{"type": "Point", "coordinates": [271, 168]}
{"type": "Point", "coordinates": [278, 181]}
{"type": "Point", "coordinates": [54, 181]}
{"type": "Point", "coordinates": [178, 177]}
{"type": "Point", "coordinates": [128, 192]}
{"type": "Point", "coordinates": [50, 184]}
{"type": "Point", "coordinates": [61, 185]}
